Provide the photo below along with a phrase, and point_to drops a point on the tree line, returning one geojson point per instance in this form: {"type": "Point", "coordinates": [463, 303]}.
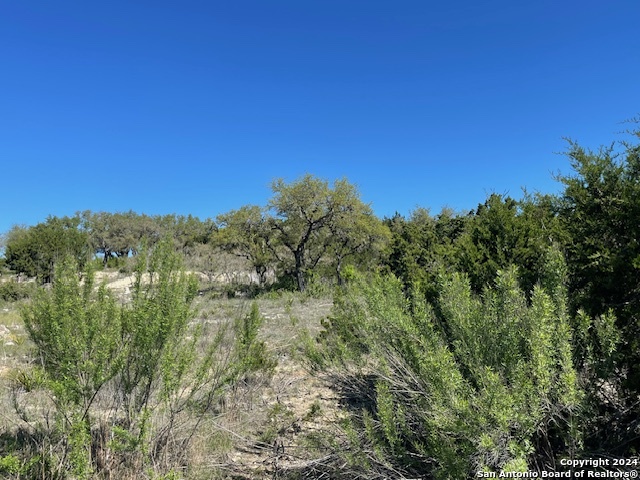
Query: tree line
{"type": "Point", "coordinates": [307, 227]}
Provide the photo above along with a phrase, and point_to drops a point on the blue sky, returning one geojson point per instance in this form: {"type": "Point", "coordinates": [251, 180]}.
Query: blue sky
{"type": "Point", "coordinates": [196, 106]}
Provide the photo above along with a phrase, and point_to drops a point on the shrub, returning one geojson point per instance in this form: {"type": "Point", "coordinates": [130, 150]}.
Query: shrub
{"type": "Point", "coordinates": [129, 383]}
{"type": "Point", "coordinates": [14, 291]}
{"type": "Point", "coordinates": [10, 464]}
{"type": "Point", "coordinates": [469, 384]}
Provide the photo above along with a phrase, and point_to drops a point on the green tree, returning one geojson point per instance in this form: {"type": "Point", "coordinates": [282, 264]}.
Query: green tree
{"type": "Point", "coordinates": [505, 232]}
{"type": "Point", "coordinates": [491, 241]}
{"type": "Point", "coordinates": [412, 245]}
{"type": "Point", "coordinates": [122, 234]}
{"type": "Point", "coordinates": [601, 212]}
{"type": "Point", "coordinates": [19, 256]}
{"type": "Point", "coordinates": [358, 237]}
{"type": "Point", "coordinates": [110, 234]}
{"type": "Point", "coordinates": [246, 233]}
{"type": "Point", "coordinates": [423, 247]}
{"type": "Point", "coordinates": [303, 213]}
{"type": "Point", "coordinates": [187, 231]}
{"type": "Point", "coordinates": [35, 250]}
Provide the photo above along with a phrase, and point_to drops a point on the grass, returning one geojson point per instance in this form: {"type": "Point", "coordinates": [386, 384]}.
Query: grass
{"type": "Point", "coordinates": [288, 407]}
{"type": "Point", "coordinates": [15, 349]}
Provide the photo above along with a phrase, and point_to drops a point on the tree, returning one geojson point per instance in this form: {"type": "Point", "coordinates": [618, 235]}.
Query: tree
{"type": "Point", "coordinates": [413, 246]}
{"type": "Point", "coordinates": [114, 234]}
{"type": "Point", "coordinates": [423, 247]}
{"type": "Point", "coordinates": [122, 234]}
{"type": "Point", "coordinates": [246, 233]}
{"type": "Point", "coordinates": [303, 214]}
{"type": "Point", "coordinates": [504, 232]}
{"type": "Point", "coordinates": [357, 236]}
{"type": "Point", "coordinates": [187, 231]}
{"type": "Point", "coordinates": [601, 212]}
{"type": "Point", "coordinates": [17, 253]}
{"type": "Point", "coordinates": [600, 209]}
{"type": "Point", "coordinates": [106, 234]}
{"type": "Point", "coordinates": [35, 250]}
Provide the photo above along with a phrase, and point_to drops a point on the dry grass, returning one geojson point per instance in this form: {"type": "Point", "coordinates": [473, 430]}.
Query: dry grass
{"type": "Point", "coordinates": [14, 347]}
{"type": "Point", "coordinates": [265, 425]}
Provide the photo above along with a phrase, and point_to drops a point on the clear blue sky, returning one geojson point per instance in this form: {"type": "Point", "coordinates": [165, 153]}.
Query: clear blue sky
{"type": "Point", "coordinates": [195, 106]}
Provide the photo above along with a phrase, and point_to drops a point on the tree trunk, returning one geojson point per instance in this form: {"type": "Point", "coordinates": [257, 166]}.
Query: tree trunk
{"type": "Point", "coordinates": [339, 272]}
{"type": "Point", "coordinates": [107, 255]}
{"type": "Point", "coordinates": [261, 270]}
{"type": "Point", "coordinates": [299, 270]}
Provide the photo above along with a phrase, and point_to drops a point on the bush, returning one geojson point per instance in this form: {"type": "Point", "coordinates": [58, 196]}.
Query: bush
{"type": "Point", "coordinates": [469, 384]}
{"type": "Point", "coordinates": [10, 464]}
{"type": "Point", "coordinates": [14, 291]}
{"type": "Point", "coordinates": [129, 383]}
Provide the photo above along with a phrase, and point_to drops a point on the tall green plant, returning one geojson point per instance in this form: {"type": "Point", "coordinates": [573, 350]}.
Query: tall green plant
{"type": "Point", "coordinates": [130, 382]}
{"type": "Point", "coordinates": [155, 326]}
{"type": "Point", "coordinates": [487, 383]}
{"type": "Point", "coordinates": [76, 330]}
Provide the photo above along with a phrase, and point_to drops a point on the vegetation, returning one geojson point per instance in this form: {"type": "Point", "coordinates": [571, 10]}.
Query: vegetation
{"type": "Point", "coordinates": [35, 251]}
{"type": "Point", "coordinates": [310, 219]}
{"type": "Point", "coordinates": [500, 339]}
{"type": "Point", "coordinates": [127, 385]}
{"type": "Point", "coordinates": [485, 384]}
{"type": "Point", "coordinates": [13, 291]}
{"type": "Point", "coordinates": [600, 211]}
{"type": "Point", "coordinates": [245, 233]}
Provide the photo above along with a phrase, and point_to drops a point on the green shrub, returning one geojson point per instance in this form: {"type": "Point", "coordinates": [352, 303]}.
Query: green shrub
{"type": "Point", "coordinates": [14, 291]}
{"type": "Point", "coordinates": [252, 353]}
{"type": "Point", "coordinates": [129, 383]}
{"type": "Point", "coordinates": [472, 383]}
{"type": "Point", "coordinates": [10, 464]}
